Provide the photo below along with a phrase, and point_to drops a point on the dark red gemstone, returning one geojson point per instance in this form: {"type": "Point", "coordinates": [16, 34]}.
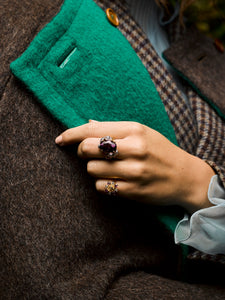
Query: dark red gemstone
{"type": "Point", "coordinates": [107, 146]}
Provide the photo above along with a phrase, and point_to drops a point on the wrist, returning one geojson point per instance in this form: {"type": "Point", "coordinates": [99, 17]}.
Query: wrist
{"type": "Point", "coordinates": [197, 179]}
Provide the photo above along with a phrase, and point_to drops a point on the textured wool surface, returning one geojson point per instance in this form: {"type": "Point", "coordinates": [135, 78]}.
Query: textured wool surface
{"type": "Point", "coordinates": [202, 65]}
{"type": "Point", "coordinates": [59, 239]}
{"type": "Point", "coordinates": [81, 72]}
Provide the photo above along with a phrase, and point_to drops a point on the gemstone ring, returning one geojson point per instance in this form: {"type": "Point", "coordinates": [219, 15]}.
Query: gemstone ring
{"type": "Point", "coordinates": [111, 188]}
{"type": "Point", "coordinates": [108, 147]}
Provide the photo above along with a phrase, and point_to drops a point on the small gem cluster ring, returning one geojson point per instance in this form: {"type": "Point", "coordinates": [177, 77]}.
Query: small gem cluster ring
{"type": "Point", "coordinates": [111, 188]}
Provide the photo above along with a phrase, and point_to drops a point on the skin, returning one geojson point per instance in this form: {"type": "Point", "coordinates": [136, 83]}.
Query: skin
{"type": "Point", "coordinates": [148, 168]}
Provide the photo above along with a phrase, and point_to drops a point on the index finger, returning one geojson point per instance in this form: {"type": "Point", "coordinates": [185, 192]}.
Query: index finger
{"type": "Point", "coordinates": [74, 135]}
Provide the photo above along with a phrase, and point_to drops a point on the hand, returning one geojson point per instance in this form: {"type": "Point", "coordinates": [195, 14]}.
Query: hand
{"type": "Point", "coordinates": [148, 168]}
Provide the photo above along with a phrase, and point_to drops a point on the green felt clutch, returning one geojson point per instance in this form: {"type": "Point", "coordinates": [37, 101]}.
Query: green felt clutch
{"type": "Point", "coordinates": [81, 67]}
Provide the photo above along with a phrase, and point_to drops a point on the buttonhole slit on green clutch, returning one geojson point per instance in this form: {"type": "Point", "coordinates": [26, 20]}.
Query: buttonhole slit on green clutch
{"type": "Point", "coordinates": [65, 60]}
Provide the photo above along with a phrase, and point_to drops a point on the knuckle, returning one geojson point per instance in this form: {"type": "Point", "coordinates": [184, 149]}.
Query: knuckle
{"type": "Point", "coordinates": [142, 171]}
{"type": "Point", "coordinates": [98, 185]}
{"type": "Point", "coordinates": [84, 147]}
{"type": "Point", "coordinates": [90, 167]}
{"type": "Point", "coordinates": [140, 148]}
{"type": "Point", "coordinates": [92, 126]}
{"type": "Point", "coordinates": [139, 170]}
{"type": "Point", "coordinates": [137, 128]}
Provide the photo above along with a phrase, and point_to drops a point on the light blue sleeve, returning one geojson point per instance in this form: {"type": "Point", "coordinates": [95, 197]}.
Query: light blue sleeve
{"type": "Point", "coordinates": [205, 229]}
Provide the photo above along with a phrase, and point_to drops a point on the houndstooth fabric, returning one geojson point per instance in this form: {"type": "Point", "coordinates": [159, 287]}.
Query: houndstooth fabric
{"type": "Point", "coordinates": [211, 132]}
{"type": "Point", "coordinates": [200, 256]}
{"type": "Point", "coordinates": [199, 130]}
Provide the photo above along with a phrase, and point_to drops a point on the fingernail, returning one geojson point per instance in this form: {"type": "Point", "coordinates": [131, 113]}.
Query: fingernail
{"type": "Point", "coordinates": [92, 121]}
{"type": "Point", "coordinates": [58, 140]}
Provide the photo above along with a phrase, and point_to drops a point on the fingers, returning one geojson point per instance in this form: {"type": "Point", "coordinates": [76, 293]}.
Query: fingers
{"type": "Point", "coordinates": [117, 130]}
{"type": "Point", "coordinates": [126, 147]}
{"type": "Point", "coordinates": [88, 148]}
{"type": "Point", "coordinates": [117, 187]}
{"type": "Point", "coordinates": [127, 169]}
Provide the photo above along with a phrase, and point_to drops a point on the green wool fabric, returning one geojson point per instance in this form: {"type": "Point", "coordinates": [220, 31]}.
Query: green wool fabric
{"type": "Point", "coordinates": [81, 67]}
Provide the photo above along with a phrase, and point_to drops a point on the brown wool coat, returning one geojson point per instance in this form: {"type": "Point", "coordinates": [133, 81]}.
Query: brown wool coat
{"type": "Point", "coordinates": [59, 238]}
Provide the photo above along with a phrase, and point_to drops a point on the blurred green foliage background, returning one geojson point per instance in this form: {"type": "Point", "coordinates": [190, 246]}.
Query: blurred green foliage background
{"type": "Point", "coordinates": [209, 17]}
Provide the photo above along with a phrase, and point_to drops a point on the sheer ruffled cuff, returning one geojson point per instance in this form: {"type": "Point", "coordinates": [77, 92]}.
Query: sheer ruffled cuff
{"type": "Point", "coordinates": [205, 229]}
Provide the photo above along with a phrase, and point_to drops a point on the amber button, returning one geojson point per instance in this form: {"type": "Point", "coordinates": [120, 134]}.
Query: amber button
{"type": "Point", "coordinates": [111, 15]}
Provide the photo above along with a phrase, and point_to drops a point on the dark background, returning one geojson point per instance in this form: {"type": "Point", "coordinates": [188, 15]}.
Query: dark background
{"type": "Point", "coordinates": [209, 17]}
